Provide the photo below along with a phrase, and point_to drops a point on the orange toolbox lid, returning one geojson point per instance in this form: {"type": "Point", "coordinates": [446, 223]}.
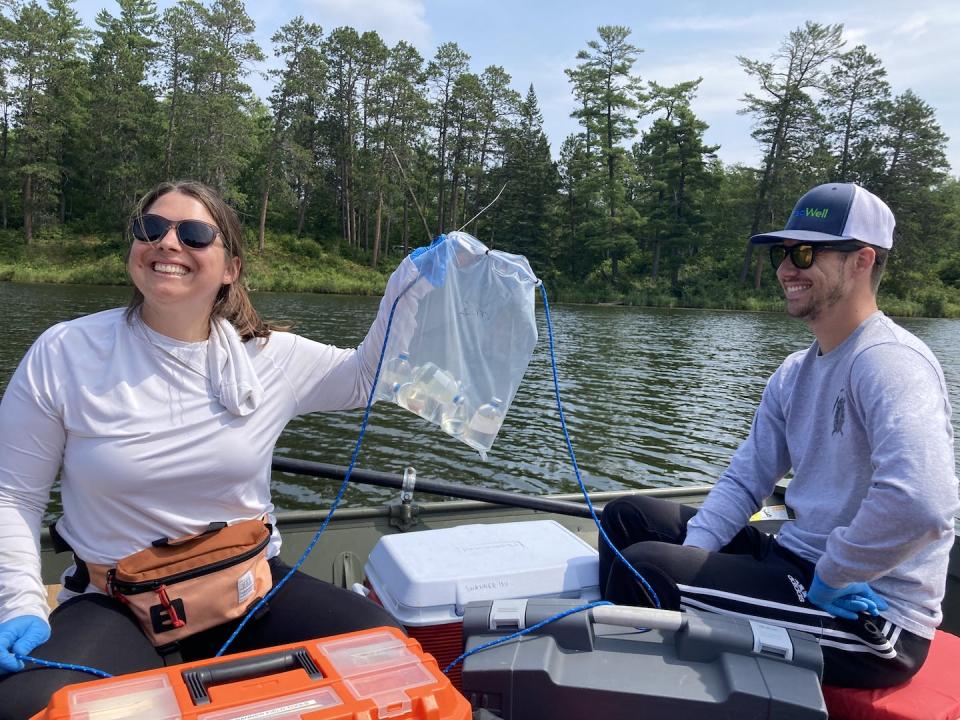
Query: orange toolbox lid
{"type": "Point", "coordinates": [376, 674]}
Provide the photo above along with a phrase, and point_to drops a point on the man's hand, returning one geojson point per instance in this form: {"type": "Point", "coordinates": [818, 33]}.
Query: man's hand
{"type": "Point", "coordinates": [19, 636]}
{"type": "Point", "coordinates": [846, 602]}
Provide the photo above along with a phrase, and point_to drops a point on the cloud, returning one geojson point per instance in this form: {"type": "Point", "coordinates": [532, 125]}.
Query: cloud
{"type": "Point", "coordinates": [711, 23]}
{"type": "Point", "coordinates": [914, 27]}
{"type": "Point", "coordinates": [394, 20]}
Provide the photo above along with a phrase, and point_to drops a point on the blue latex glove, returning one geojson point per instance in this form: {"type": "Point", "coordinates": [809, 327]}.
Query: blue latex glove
{"type": "Point", "coordinates": [20, 635]}
{"type": "Point", "coordinates": [846, 602]}
{"type": "Point", "coordinates": [431, 261]}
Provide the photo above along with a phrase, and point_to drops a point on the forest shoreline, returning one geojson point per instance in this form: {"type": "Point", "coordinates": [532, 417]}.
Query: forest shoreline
{"type": "Point", "coordinates": [297, 265]}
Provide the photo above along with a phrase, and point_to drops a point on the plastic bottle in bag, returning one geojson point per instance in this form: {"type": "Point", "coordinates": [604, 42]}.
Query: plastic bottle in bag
{"type": "Point", "coordinates": [453, 419]}
{"type": "Point", "coordinates": [438, 383]}
{"type": "Point", "coordinates": [484, 425]}
{"type": "Point", "coordinates": [413, 396]}
{"type": "Point", "coordinates": [394, 374]}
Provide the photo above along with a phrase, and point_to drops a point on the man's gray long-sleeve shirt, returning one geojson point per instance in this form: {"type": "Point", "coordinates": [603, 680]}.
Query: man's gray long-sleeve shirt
{"type": "Point", "coordinates": [866, 429]}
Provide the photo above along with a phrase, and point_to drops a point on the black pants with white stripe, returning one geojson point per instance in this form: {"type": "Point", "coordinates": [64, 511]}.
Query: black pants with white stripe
{"type": "Point", "coordinates": [752, 577]}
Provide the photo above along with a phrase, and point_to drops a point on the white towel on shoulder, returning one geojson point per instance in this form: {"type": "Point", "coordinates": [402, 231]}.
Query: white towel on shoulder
{"type": "Point", "coordinates": [231, 372]}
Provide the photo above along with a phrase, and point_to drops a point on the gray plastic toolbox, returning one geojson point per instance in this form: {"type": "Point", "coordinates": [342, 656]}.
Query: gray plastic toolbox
{"type": "Point", "coordinates": [598, 664]}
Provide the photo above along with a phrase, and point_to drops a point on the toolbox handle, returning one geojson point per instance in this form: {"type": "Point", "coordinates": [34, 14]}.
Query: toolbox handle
{"type": "Point", "coordinates": [638, 617]}
{"type": "Point", "coordinates": [199, 679]}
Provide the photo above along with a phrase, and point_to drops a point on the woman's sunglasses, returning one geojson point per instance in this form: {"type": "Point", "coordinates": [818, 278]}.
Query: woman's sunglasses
{"type": "Point", "coordinates": [803, 255]}
{"type": "Point", "coordinates": [194, 234]}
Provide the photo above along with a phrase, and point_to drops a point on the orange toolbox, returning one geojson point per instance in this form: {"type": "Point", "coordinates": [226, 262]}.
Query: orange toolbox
{"type": "Point", "coordinates": [376, 674]}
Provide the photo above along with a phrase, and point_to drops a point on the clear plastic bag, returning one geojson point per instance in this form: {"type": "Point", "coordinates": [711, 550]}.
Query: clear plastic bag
{"type": "Point", "coordinates": [474, 334]}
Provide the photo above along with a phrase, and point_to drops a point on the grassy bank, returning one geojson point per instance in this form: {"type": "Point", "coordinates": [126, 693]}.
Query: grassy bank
{"type": "Point", "coordinates": [289, 264]}
{"type": "Point", "coordinates": [293, 264]}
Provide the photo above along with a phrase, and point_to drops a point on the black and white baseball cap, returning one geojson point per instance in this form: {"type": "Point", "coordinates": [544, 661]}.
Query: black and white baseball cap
{"type": "Point", "coordinates": [837, 212]}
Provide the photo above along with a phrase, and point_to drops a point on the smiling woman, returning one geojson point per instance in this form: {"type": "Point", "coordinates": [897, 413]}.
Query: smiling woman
{"type": "Point", "coordinates": [160, 420]}
{"type": "Point", "coordinates": [178, 282]}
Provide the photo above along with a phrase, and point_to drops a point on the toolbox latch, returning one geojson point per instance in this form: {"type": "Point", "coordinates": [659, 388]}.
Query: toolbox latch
{"type": "Point", "coordinates": [772, 641]}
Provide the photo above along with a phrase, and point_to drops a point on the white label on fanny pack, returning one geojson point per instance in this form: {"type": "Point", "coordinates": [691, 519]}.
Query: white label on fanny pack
{"type": "Point", "coordinates": [245, 586]}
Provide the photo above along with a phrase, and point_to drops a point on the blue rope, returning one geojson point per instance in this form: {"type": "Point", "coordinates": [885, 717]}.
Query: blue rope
{"type": "Point", "coordinates": [593, 514]}
{"type": "Point", "coordinates": [525, 631]}
{"type": "Point", "coordinates": [573, 459]}
{"type": "Point", "coordinates": [63, 666]}
{"type": "Point", "coordinates": [343, 485]}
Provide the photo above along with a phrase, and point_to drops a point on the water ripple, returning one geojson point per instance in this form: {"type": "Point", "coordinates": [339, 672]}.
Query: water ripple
{"type": "Point", "coordinates": [651, 397]}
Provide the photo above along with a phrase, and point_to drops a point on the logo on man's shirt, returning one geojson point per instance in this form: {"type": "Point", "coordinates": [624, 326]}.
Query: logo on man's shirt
{"type": "Point", "coordinates": [798, 588]}
{"type": "Point", "coordinates": [839, 413]}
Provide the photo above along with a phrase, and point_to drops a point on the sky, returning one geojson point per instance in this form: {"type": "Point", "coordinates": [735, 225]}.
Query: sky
{"type": "Point", "coordinates": [535, 40]}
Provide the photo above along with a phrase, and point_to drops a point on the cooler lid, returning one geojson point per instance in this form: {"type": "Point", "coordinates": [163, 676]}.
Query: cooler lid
{"type": "Point", "coordinates": [449, 567]}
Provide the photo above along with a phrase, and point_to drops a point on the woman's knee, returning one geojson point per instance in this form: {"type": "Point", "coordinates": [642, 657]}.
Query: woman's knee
{"type": "Point", "coordinates": [325, 609]}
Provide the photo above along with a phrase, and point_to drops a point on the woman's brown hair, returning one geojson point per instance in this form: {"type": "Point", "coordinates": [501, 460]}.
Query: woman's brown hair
{"type": "Point", "coordinates": [233, 300]}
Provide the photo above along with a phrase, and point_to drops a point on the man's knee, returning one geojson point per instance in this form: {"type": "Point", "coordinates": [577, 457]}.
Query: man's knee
{"type": "Point", "coordinates": [637, 518]}
{"type": "Point", "coordinates": [647, 581]}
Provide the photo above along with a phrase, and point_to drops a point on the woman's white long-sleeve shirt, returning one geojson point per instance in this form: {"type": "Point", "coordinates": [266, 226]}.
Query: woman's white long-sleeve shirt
{"type": "Point", "coordinates": [145, 449]}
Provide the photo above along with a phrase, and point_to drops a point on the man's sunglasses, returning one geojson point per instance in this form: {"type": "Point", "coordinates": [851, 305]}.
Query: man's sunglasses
{"type": "Point", "coordinates": [803, 254]}
{"type": "Point", "coordinates": [194, 234]}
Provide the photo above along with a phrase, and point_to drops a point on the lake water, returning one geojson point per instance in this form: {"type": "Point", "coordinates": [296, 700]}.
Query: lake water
{"type": "Point", "coordinates": [652, 397]}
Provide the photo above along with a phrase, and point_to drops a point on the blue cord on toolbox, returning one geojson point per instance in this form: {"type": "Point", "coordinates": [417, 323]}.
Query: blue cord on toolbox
{"type": "Point", "coordinates": [525, 631]}
{"type": "Point", "coordinates": [573, 459]}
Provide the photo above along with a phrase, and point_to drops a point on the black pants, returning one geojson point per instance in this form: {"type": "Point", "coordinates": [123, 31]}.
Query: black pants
{"type": "Point", "coordinates": [98, 631]}
{"type": "Point", "coordinates": [752, 577]}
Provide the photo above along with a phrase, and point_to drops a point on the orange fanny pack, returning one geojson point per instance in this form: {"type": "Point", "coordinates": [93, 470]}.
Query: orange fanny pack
{"type": "Point", "coordinates": [180, 587]}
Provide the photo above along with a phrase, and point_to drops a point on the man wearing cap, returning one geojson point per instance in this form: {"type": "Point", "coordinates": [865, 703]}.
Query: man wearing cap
{"type": "Point", "coordinates": [862, 419]}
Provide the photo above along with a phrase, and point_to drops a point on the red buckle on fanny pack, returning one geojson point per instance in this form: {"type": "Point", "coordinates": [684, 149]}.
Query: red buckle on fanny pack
{"type": "Point", "coordinates": [168, 606]}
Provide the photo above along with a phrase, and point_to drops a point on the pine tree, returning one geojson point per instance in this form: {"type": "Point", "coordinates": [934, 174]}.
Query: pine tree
{"type": "Point", "coordinates": [853, 96]}
{"type": "Point", "coordinates": [218, 128]}
{"type": "Point", "coordinates": [783, 112]}
{"type": "Point", "coordinates": [610, 95]}
{"type": "Point", "coordinates": [124, 117]}
{"type": "Point", "coordinates": [524, 216]}
{"type": "Point", "coordinates": [913, 145]}
{"type": "Point", "coordinates": [673, 164]}
{"type": "Point", "coordinates": [298, 85]}
{"type": "Point", "coordinates": [29, 45]}
{"type": "Point", "coordinates": [443, 72]}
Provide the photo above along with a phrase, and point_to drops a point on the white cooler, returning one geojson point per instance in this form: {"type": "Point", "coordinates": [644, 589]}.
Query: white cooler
{"type": "Point", "coordinates": [426, 578]}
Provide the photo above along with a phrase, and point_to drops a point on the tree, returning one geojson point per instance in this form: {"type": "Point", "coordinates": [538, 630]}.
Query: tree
{"type": "Point", "coordinates": [523, 218]}
{"type": "Point", "coordinates": [29, 44]}
{"type": "Point", "coordinates": [443, 72]}
{"type": "Point", "coordinates": [124, 121]}
{"type": "Point", "coordinates": [298, 85]}
{"type": "Point", "coordinates": [853, 96]}
{"type": "Point", "coordinates": [673, 164]}
{"type": "Point", "coordinates": [6, 101]}
{"type": "Point", "coordinates": [497, 106]}
{"type": "Point", "coordinates": [220, 133]}
{"type": "Point", "coordinates": [609, 93]}
{"type": "Point", "coordinates": [68, 94]}
{"type": "Point", "coordinates": [400, 107]}
{"type": "Point", "coordinates": [580, 206]}
{"type": "Point", "coordinates": [784, 110]}
{"type": "Point", "coordinates": [341, 52]}
{"type": "Point", "coordinates": [914, 148]}
{"type": "Point", "coordinates": [179, 48]}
